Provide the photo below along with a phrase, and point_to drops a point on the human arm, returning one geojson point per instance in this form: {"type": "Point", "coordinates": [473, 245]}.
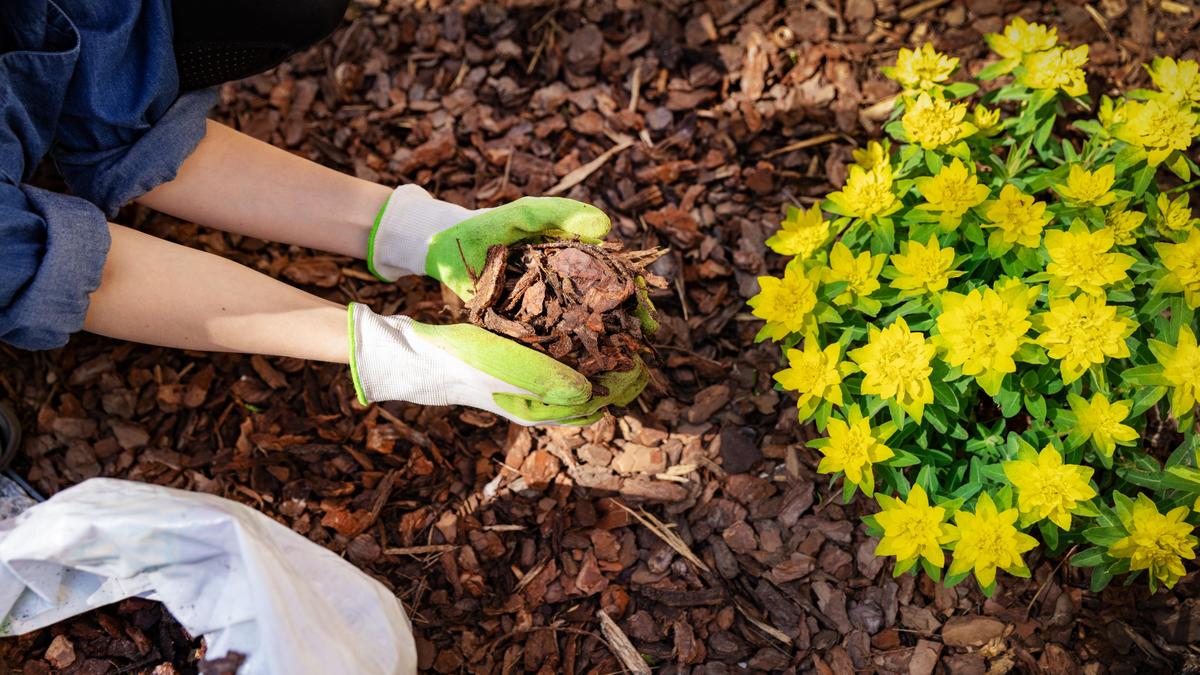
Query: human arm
{"type": "Point", "coordinates": [237, 183]}
{"type": "Point", "coordinates": [155, 292]}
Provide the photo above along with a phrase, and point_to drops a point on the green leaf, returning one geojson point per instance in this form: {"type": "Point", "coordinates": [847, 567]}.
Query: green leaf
{"type": "Point", "coordinates": [1090, 556]}
{"type": "Point", "coordinates": [961, 89]}
{"type": "Point", "coordinates": [1101, 576]}
{"type": "Point", "coordinates": [1036, 405]}
{"type": "Point", "coordinates": [1178, 165]}
{"type": "Point", "coordinates": [932, 570]}
{"type": "Point", "coordinates": [1009, 401]}
{"type": "Point", "coordinates": [1049, 534]}
{"type": "Point", "coordinates": [1104, 536]}
{"type": "Point", "coordinates": [994, 70]}
{"type": "Point", "coordinates": [1145, 398]}
{"type": "Point", "coordinates": [933, 161]}
{"type": "Point", "coordinates": [1143, 179]}
{"type": "Point", "coordinates": [1145, 375]}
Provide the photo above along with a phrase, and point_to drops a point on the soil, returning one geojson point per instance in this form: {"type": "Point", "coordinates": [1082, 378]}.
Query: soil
{"type": "Point", "coordinates": [694, 519]}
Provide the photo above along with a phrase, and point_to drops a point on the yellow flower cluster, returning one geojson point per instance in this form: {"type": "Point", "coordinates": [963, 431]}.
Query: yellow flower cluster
{"type": "Point", "coordinates": [1157, 542]}
{"type": "Point", "coordinates": [921, 69]}
{"type": "Point", "coordinates": [934, 123]}
{"type": "Point", "coordinates": [1018, 218]}
{"type": "Point", "coordinates": [982, 330]}
{"type": "Point", "coordinates": [801, 233]}
{"type": "Point", "coordinates": [1057, 68]}
{"type": "Point", "coordinates": [978, 261]}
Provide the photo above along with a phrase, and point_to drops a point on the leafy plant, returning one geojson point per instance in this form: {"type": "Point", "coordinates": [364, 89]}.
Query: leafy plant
{"type": "Point", "coordinates": [996, 327]}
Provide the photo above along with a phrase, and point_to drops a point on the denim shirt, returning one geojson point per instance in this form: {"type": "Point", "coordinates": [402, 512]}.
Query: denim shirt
{"type": "Point", "coordinates": [94, 85]}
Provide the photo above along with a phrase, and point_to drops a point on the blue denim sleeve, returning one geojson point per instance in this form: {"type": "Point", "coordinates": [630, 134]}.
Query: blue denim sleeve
{"type": "Point", "coordinates": [124, 129]}
{"type": "Point", "coordinates": [54, 247]}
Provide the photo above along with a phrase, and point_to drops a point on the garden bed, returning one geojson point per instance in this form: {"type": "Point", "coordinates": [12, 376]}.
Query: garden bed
{"type": "Point", "coordinates": [705, 530]}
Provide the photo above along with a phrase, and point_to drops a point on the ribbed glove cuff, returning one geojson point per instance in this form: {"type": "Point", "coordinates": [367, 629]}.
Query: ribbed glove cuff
{"type": "Point", "coordinates": [400, 238]}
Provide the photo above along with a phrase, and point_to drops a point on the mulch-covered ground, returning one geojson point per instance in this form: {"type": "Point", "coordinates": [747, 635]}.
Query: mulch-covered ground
{"type": "Point", "coordinates": [694, 518]}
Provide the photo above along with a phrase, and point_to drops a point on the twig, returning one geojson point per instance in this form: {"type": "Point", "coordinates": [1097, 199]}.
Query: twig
{"type": "Point", "coordinates": [763, 626]}
{"type": "Point", "coordinates": [800, 145]}
{"type": "Point", "coordinates": [656, 526]}
{"type": "Point", "coordinates": [635, 89]}
{"type": "Point", "coordinates": [912, 12]}
{"type": "Point", "coordinates": [579, 175]}
{"type": "Point", "coordinates": [621, 646]}
{"type": "Point", "coordinates": [382, 492]}
{"type": "Point", "coordinates": [1029, 608]}
{"type": "Point", "coordinates": [470, 271]}
{"type": "Point", "coordinates": [421, 550]}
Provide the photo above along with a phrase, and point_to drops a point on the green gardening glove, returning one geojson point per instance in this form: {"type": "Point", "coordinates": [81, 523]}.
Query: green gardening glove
{"type": "Point", "coordinates": [416, 233]}
{"type": "Point", "coordinates": [393, 358]}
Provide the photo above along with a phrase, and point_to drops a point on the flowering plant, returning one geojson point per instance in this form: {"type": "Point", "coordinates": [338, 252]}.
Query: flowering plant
{"type": "Point", "coordinates": [993, 321]}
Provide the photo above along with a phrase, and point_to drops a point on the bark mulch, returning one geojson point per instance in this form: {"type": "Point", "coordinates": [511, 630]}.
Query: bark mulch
{"type": "Point", "coordinates": [693, 520]}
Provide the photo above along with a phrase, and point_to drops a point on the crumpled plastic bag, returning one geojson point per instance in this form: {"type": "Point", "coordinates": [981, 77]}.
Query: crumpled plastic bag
{"type": "Point", "coordinates": [224, 570]}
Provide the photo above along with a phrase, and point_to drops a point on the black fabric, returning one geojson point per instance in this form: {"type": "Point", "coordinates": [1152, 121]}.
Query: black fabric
{"type": "Point", "coordinates": [221, 40]}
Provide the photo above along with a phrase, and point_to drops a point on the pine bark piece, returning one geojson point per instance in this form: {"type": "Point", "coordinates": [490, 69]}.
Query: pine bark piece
{"type": "Point", "coordinates": [621, 646]}
{"type": "Point", "coordinates": [577, 302]}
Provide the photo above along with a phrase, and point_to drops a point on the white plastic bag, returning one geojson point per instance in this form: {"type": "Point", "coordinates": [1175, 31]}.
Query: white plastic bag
{"type": "Point", "coordinates": [247, 583]}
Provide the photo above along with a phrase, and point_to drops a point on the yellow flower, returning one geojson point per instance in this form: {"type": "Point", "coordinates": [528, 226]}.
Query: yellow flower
{"type": "Point", "coordinates": [1100, 421]}
{"type": "Point", "coordinates": [933, 123]}
{"type": "Point", "coordinates": [873, 155]}
{"type": "Point", "coordinates": [1183, 268]}
{"type": "Point", "coordinates": [1156, 542]}
{"type": "Point", "coordinates": [1111, 113]}
{"type": "Point", "coordinates": [786, 304]}
{"type": "Point", "coordinates": [1018, 219]}
{"type": "Point", "coordinates": [866, 193]}
{"type": "Point", "coordinates": [1048, 488]}
{"type": "Point", "coordinates": [986, 120]}
{"type": "Point", "coordinates": [815, 373]}
{"type": "Point", "coordinates": [981, 331]}
{"type": "Point", "coordinates": [895, 365]}
{"type": "Point", "coordinates": [1159, 127]}
{"type": "Point", "coordinates": [860, 272]}
{"type": "Point", "coordinates": [1082, 332]}
{"type": "Point", "coordinates": [1174, 216]}
{"type": "Point", "coordinates": [1089, 188]}
{"type": "Point", "coordinates": [801, 233]}
{"type": "Point", "coordinates": [989, 540]}
{"type": "Point", "coordinates": [922, 68]}
{"type": "Point", "coordinates": [912, 529]}
{"type": "Point", "coordinates": [1178, 80]}
{"type": "Point", "coordinates": [852, 448]}
{"type": "Point", "coordinates": [1125, 225]}
{"type": "Point", "coordinates": [1057, 68]}
{"type": "Point", "coordinates": [922, 268]}
{"type": "Point", "coordinates": [1081, 259]}
{"type": "Point", "coordinates": [952, 191]}
{"type": "Point", "coordinates": [1020, 38]}
{"type": "Point", "coordinates": [1181, 368]}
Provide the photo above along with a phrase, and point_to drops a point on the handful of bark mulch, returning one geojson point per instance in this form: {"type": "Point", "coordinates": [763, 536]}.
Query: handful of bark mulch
{"type": "Point", "coordinates": [586, 305]}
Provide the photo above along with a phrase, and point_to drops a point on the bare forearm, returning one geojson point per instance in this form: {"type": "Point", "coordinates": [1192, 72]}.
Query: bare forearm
{"type": "Point", "coordinates": [159, 293]}
{"type": "Point", "coordinates": [236, 183]}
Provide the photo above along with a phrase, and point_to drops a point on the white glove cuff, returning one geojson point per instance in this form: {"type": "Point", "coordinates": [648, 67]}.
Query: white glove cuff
{"type": "Point", "coordinates": [375, 378]}
{"type": "Point", "coordinates": [400, 239]}
{"type": "Point", "coordinates": [390, 362]}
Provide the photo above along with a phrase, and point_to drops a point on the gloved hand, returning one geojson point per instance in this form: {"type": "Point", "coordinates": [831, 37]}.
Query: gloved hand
{"type": "Point", "coordinates": [393, 358]}
{"type": "Point", "coordinates": [417, 234]}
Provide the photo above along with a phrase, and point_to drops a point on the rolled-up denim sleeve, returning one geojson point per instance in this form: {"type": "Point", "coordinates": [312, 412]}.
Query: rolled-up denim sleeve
{"type": "Point", "coordinates": [127, 166]}
{"type": "Point", "coordinates": [53, 247]}
{"type": "Point", "coordinates": [124, 127]}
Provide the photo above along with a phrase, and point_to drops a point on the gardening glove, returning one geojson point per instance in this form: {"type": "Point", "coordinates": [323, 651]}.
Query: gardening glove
{"type": "Point", "coordinates": [415, 233]}
{"type": "Point", "coordinates": [393, 358]}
